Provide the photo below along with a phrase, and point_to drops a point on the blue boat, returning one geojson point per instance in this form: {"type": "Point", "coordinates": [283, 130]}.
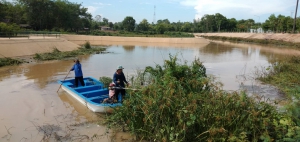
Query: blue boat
{"type": "Point", "coordinates": [90, 95]}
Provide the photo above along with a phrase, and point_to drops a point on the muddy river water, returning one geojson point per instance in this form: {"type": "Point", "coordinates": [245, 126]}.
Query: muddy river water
{"type": "Point", "coordinates": [32, 110]}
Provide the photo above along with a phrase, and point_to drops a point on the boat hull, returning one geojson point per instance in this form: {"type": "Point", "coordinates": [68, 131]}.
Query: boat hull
{"type": "Point", "coordinates": [90, 95]}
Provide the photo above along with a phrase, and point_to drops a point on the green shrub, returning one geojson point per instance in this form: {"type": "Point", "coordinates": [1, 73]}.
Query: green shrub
{"type": "Point", "coordinates": [180, 103]}
{"type": "Point", "coordinates": [106, 81]}
{"type": "Point", "coordinates": [87, 45]}
{"type": "Point", "coordinates": [9, 61]}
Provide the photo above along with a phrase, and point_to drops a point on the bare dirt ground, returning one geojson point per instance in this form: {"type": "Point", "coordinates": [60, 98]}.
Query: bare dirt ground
{"type": "Point", "coordinates": [15, 47]}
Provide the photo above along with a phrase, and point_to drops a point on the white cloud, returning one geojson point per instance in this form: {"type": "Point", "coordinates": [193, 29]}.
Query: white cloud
{"type": "Point", "coordinates": [101, 4]}
{"type": "Point", "coordinates": [240, 9]}
{"type": "Point", "coordinates": [92, 9]}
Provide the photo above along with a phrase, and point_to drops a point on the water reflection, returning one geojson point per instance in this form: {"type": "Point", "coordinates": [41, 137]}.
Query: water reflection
{"type": "Point", "coordinates": [129, 48]}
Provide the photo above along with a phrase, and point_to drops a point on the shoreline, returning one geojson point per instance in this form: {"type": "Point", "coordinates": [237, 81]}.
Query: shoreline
{"type": "Point", "coordinates": [19, 47]}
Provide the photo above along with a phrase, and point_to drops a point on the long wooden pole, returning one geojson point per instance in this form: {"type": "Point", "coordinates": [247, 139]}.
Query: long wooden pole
{"type": "Point", "coordinates": [63, 81]}
{"type": "Point", "coordinates": [295, 17]}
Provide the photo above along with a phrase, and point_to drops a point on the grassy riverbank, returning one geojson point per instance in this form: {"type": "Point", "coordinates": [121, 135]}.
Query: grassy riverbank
{"type": "Point", "coordinates": [285, 74]}
{"type": "Point", "coordinates": [58, 55]}
{"type": "Point", "coordinates": [9, 61]}
{"type": "Point", "coordinates": [258, 41]}
{"type": "Point", "coordinates": [139, 34]}
{"type": "Point", "coordinates": [55, 55]}
{"type": "Point", "coordinates": [182, 104]}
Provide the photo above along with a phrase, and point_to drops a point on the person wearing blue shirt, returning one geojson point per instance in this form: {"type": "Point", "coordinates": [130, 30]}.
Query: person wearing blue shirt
{"type": "Point", "coordinates": [119, 79]}
{"type": "Point", "coordinates": [78, 73]}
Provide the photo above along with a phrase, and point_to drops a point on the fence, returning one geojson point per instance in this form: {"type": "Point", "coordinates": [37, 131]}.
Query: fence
{"type": "Point", "coordinates": [27, 34]}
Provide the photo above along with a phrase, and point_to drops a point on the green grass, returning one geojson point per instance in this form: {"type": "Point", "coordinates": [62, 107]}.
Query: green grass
{"type": "Point", "coordinates": [285, 74]}
{"type": "Point", "coordinates": [58, 55]}
{"type": "Point", "coordinates": [180, 103]}
{"type": "Point", "coordinates": [9, 61]}
{"type": "Point", "coordinates": [141, 34]}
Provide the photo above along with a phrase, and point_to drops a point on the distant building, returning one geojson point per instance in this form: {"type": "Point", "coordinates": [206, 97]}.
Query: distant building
{"type": "Point", "coordinates": [104, 28]}
{"type": "Point", "coordinates": [259, 30]}
{"type": "Point", "coordinates": [26, 26]}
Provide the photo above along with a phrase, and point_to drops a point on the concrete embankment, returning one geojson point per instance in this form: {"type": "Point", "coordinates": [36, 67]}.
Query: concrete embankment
{"type": "Point", "coordinates": [295, 38]}
{"type": "Point", "coordinates": [15, 47]}
{"type": "Point", "coordinates": [138, 41]}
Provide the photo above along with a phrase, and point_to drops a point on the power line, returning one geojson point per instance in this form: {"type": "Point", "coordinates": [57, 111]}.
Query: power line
{"type": "Point", "coordinates": [294, 26]}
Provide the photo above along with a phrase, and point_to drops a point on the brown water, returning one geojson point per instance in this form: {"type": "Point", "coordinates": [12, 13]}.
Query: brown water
{"type": "Point", "coordinates": [31, 109]}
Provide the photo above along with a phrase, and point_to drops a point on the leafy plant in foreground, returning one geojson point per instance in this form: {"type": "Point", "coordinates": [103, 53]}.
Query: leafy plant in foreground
{"type": "Point", "coordinates": [182, 104]}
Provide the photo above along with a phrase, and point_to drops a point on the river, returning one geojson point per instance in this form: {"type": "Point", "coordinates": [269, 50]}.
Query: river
{"type": "Point", "coordinates": [32, 110]}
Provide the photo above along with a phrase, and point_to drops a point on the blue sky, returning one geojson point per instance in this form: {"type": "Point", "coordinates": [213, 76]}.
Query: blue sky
{"type": "Point", "coordinates": [187, 10]}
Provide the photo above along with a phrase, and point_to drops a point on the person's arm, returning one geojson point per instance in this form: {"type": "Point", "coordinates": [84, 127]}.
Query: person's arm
{"type": "Point", "coordinates": [115, 79]}
{"type": "Point", "coordinates": [72, 68]}
{"type": "Point", "coordinates": [124, 78]}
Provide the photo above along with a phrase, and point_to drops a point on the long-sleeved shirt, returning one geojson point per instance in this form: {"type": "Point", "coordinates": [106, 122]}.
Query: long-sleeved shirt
{"type": "Point", "coordinates": [77, 69]}
{"type": "Point", "coordinates": [119, 77]}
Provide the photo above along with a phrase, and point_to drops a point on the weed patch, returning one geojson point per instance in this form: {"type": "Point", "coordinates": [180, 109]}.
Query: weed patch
{"type": "Point", "coordinates": [9, 61]}
{"type": "Point", "coordinates": [58, 55]}
{"type": "Point", "coordinates": [181, 103]}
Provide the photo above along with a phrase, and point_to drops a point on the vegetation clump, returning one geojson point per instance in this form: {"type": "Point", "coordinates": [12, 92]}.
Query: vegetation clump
{"type": "Point", "coordinates": [87, 45]}
{"type": "Point", "coordinates": [58, 55]}
{"type": "Point", "coordinates": [181, 103]}
{"type": "Point", "coordinates": [106, 81]}
{"type": "Point", "coordinates": [9, 61]}
{"type": "Point", "coordinates": [284, 74]}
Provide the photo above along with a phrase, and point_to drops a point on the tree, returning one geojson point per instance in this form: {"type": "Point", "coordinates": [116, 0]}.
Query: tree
{"type": "Point", "coordinates": [105, 21]}
{"type": "Point", "coordinates": [144, 25]}
{"type": "Point", "coordinates": [128, 23]}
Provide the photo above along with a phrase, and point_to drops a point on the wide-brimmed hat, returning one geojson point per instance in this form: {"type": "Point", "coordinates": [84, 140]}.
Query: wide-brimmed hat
{"type": "Point", "coordinates": [120, 68]}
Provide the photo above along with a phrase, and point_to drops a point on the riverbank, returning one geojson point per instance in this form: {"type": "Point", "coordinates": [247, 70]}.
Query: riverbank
{"type": "Point", "coordinates": [289, 40]}
{"type": "Point", "coordinates": [137, 41]}
{"type": "Point", "coordinates": [16, 47]}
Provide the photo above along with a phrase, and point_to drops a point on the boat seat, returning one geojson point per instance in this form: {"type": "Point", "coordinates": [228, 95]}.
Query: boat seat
{"type": "Point", "coordinates": [84, 89]}
{"type": "Point", "coordinates": [94, 93]}
{"type": "Point", "coordinates": [98, 97]}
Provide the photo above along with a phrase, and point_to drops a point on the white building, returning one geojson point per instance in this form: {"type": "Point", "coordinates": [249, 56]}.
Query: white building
{"type": "Point", "coordinates": [259, 30]}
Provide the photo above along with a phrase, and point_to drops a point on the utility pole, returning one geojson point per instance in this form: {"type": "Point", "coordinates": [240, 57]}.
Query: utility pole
{"type": "Point", "coordinates": [295, 17]}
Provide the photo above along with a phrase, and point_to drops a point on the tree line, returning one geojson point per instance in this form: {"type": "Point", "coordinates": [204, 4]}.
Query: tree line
{"type": "Point", "coordinates": [65, 16]}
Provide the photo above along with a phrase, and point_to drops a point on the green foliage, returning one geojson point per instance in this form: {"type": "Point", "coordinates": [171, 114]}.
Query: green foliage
{"type": "Point", "coordinates": [128, 23]}
{"type": "Point", "coordinates": [58, 55]}
{"type": "Point", "coordinates": [8, 30]}
{"type": "Point", "coordinates": [285, 75]}
{"type": "Point", "coordinates": [181, 103]}
{"type": "Point", "coordinates": [87, 45]}
{"type": "Point", "coordinates": [9, 61]}
{"type": "Point", "coordinates": [178, 34]}
{"type": "Point", "coordinates": [106, 81]}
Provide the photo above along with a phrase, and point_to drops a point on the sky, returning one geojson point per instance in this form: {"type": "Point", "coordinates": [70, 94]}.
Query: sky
{"type": "Point", "coordinates": [187, 10]}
